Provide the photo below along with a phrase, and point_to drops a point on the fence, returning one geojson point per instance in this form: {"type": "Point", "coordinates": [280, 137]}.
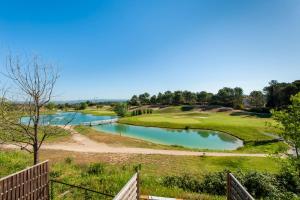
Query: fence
{"type": "Point", "coordinates": [100, 122]}
{"type": "Point", "coordinates": [87, 193]}
{"type": "Point", "coordinates": [131, 190]}
{"type": "Point", "coordinates": [31, 183]}
{"type": "Point", "coordinates": [235, 190]}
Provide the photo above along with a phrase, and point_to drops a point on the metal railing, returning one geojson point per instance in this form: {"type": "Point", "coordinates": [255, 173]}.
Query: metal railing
{"type": "Point", "coordinates": [86, 191]}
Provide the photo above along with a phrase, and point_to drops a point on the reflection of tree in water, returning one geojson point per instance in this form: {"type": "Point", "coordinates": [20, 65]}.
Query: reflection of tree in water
{"type": "Point", "coordinates": [223, 136]}
{"type": "Point", "coordinates": [205, 134]}
{"type": "Point", "coordinates": [226, 138]}
{"type": "Point", "coordinates": [176, 130]}
{"type": "Point", "coordinates": [120, 128]}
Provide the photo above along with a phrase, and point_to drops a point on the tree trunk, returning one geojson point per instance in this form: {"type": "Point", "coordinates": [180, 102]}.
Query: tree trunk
{"type": "Point", "coordinates": [36, 139]}
{"type": "Point", "coordinates": [35, 154]}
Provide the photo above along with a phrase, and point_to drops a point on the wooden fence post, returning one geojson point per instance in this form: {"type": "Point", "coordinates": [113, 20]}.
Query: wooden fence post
{"type": "Point", "coordinates": [228, 186]}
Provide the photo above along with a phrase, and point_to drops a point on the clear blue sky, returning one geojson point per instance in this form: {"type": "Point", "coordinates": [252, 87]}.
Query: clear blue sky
{"type": "Point", "coordinates": [114, 49]}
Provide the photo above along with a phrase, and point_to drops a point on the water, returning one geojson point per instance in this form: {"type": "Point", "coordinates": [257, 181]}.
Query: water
{"type": "Point", "coordinates": [192, 138]}
{"type": "Point", "coordinates": [72, 118]}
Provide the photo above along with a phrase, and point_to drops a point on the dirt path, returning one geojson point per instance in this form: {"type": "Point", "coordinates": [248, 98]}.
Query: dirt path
{"type": "Point", "coordinates": [82, 143]}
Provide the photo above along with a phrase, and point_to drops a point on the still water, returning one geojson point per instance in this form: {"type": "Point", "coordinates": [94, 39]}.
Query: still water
{"type": "Point", "coordinates": [192, 138]}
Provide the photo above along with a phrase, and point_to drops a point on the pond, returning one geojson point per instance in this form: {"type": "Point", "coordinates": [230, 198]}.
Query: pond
{"type": "Point", "coordinates": [192, 138]}
{"type": "Point", "coordinates": [71, 118]}
{"type": "Point", "coordinates": [200, 139]}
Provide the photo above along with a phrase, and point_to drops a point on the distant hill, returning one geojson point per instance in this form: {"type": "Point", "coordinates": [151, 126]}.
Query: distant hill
{"type": "Point", "coordinates": [91, 100]}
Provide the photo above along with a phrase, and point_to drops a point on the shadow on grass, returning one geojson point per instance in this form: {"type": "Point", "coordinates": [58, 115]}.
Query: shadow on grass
{"type": "Point", "coordinates": [263, 142]}
{"type": "Point", "coordinates": [251, 114]}
{"type": "Point", "coordinates": [187, 108]}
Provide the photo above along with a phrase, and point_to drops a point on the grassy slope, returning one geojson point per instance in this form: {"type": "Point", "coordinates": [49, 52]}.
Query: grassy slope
{"type": "Point", "coordinates": [247, 126]}
{"type": "Point", "coordinates": [99, 112]}
{"type": "Point", "coordinates": [116, 140]}
{"type": "Point", "coordinates": [242, 125]}
{"type": "Point", "coordinates": [119, 168]}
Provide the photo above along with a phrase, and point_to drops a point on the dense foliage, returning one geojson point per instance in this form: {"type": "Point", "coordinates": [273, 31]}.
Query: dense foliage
{"type": "Point", "coordinates": [121, 109]}
{"type": "Point", "coordinates": [289, 122]}
{"type": "Point", "coordinates": [278, 94]}
{"type": "Point", "coordinates": [284, 185]}
{"type": "Point", "coordinates": [275, 95]}
{"type": "Point", "coordinates": [226, 96]}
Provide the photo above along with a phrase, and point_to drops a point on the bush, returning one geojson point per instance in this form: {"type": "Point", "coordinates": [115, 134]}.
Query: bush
{"type": "Point", "coordinates": [215, 183]}
{"type": "Point", "coordinates": [55, 174]}
{"type": "Point", "coordinates": [259, 185]}
{"type": "Point", "coordinates": [260, 110]}
{"type": "Point", "coordinates": [95, 169]}
{"type": "Point", "coordinates": [185, 182]}
{"type": "Point", "coordinates": [121, 109]}
{"type": "Point", "coordinates": [68, 160]}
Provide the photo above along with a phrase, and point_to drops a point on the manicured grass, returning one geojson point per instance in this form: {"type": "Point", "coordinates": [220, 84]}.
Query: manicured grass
{"type": "Point", "coordinates": [98, 112]}
{"type": "Point", "coordinates": [243, 125]}
{"type": "Point", "coordinates": [116, 169]}
{"type": "Point", "coordinates": [117, 140]}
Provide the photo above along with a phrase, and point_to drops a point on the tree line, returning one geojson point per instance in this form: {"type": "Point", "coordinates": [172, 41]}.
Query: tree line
{"type": "Point", "coordinates": [275, 95]}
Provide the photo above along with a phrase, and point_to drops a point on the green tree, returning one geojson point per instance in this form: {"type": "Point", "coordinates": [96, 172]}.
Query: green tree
{"type": "Point", "coordinates": [237, 97]}
{"type": "Point", "coordinates": [121, 109]}
{"type": "Point", "coordinates": [159, 98]}
{"type": "Point", "coordinates": [189, 97]}
{"type": "Point", "coordinates": [99, 106]}
{"type": "Point", "coordinates": [278, 94]}
{"type": "Point", "coordinates": [224, 97]}
{"type": "Point", "coordinates": [167, 98]}
{"type": "Point", "coordinates": [134, 101]}
{"type": "Point", "coordinates": [83, 105]}
{"type": "Point", "coordinates": [144, 98]}
{"type": "Point", "coordinates": [289, 122]}
{"type": "Point", "coordinates": [257, 99]}
{"type": "Point", "coordinates": [153, 100]}
{"type": "Point", "coordinates": [203, 97]}
{"type": "Point", "coordinates": [51, 106]}
{"type": "Point", "coordinates": [178, 98]}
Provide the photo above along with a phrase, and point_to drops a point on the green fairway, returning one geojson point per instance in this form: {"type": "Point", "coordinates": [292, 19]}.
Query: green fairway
{"type": "Point", "coordinates": [98, 112]}
{"type": "Point", "coordinates": [243, 125]}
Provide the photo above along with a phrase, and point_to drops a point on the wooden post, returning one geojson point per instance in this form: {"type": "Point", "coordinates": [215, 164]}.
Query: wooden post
{"type": "Point", "coordinates": [228, 186]}
{"type": "Point", "coordinates": [138, 182]}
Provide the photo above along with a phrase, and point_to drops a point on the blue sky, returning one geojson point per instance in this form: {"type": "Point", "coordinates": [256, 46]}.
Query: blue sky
{"type": "Point", "coordinates": [114, 49]}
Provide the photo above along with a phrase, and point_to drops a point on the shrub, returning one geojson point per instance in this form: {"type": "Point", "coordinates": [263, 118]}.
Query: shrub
{"type": "Point", "coordinates": [185, 182]}
{"type": "Point", "coordinates": [68, 160]}
{"type": "Point", "coordinates": [259, 185]}
{"type": "Point", "coordinates": [215, 183]}
{"type": "Point", "coordinates": [55, 174]}
{"type": "Point", "coordinates": [95, 169]}
{"type": "Point", "coordinates": [121, 109]}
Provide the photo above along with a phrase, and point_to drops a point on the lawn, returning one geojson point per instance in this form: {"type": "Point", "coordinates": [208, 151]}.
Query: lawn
{"type": "Point", "coordinates": [99, 112]}
{"type": "Point", "coordinates": [252, 128]}
{"type": "Point", "coordinates": [114, 170]}
{"type": "Point", "coordinates": [246, 126]}
{"type": "Point", "coordinates": [124, 141]}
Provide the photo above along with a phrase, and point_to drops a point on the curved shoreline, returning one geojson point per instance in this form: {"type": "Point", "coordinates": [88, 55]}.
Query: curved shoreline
{"type": "Point", "coordinates": [83, 144]}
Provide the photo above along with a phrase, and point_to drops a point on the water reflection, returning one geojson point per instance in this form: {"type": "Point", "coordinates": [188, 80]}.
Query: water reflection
{"type": "Point", "coordinates": [63, 118]}
{"type": "Point", "coordinates": [192, 138]}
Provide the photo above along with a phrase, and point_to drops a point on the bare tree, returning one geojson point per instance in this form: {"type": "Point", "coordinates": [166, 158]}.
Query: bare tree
{"type": "Point", "coordinates": [35, 82]}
